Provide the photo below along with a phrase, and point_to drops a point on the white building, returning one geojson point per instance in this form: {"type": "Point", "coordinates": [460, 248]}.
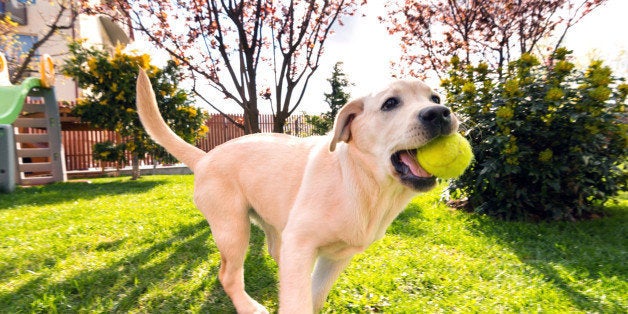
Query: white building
{"type": "Point", "coordinates": [34, 17]}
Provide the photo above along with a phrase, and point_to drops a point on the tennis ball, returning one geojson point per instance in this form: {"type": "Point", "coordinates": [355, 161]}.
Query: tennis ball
{"type": "Point", "coordinates": [446, 157]}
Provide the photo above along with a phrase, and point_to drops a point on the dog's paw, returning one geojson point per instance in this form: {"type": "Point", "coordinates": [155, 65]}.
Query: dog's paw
{"type": "Point", "coordinates": [260, 309]}
{"type": "Point", "coordinates": [252, 308]}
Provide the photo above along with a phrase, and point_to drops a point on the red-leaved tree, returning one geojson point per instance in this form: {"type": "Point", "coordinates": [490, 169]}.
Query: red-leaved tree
{"type": "Point", "coordinates": [493, 31]}
{"type": "Point", "coordinates": [248, 51]}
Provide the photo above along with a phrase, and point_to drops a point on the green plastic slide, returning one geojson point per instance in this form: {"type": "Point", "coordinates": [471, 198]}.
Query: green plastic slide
{"type": "Point", "coordinates": [12, 99]}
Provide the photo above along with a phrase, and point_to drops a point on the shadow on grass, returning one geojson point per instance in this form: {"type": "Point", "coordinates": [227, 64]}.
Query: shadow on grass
{"type": "Point", "coordinates": [70, 191]}
{"type": "Point", "coordinates": [146, 281]}
{"type": "Point", "coordinates": [407, 217]}
{"type": "Point", "coordinates": [584, 261]}
{"type": "Point", "coordinates": [121, 283]}
{"type": "Point", "coordinates": [572, 256]}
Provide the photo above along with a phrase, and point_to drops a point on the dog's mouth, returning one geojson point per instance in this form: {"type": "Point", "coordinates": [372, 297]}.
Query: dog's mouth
{"type": "Point", "coordinates": [410, 172]}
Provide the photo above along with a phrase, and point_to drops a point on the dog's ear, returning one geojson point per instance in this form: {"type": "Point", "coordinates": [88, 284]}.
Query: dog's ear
{"type": "Point", "coordinates": [342, 125]}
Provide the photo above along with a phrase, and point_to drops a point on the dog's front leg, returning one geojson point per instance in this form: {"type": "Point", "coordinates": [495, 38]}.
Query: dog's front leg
{"type": "Point", "coordinates": [295, 275]}
{"type": "Point", "coordinates": [325, 274]}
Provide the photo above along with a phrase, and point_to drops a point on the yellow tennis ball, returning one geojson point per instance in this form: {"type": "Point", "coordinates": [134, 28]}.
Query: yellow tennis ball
{"type": "Point", "coordinates": [446, 157]}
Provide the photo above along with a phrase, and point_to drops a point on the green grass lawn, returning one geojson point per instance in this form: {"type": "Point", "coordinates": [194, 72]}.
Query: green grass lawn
{"type": "Point", "coordinates": [115, 245]}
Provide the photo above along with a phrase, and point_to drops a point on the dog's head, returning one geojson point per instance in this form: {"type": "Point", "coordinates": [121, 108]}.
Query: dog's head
{"type": "Point", "coordinates": [391, 125]}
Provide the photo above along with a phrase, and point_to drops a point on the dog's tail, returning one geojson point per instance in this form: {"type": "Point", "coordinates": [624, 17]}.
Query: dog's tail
{"type": "Point", "coordinates": [157, 127]}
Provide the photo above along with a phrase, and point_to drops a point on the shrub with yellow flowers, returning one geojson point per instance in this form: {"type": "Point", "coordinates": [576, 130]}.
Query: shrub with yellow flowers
{"type": "Point", "coordinates": [109, 152]}
{"type": "Point", "coordinates": [108, 81]}
{"type": "Point", "coordinates": [550, 141]}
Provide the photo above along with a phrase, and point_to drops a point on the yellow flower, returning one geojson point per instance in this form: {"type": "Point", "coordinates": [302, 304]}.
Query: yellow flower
{"type": "Point", "coordinates": [118, 51]}
{"type": "Point", "coordinates": [192, 112]}
{"type": "Point", "coordinates": [622, 90]}
{"type": "Point", "coordinates": [468, 88]}
{"type": "Point", "coordinates": [563, 67]}
{"type": "Point", "coordinates": [482, 68]}
{"type": "Point", "coordinates": [91, 63]}
{"type": "Point", "coordinates": [561, 53]}
{"type": "Point", "coordinates": [203, 130]}
{"type": "Point", "coordinates": [528, 60]}
{"type": "Point", "coordinates": [511, 88]}
{"type": "Point", "coordinates": [144, 61]}
{"type": "Point", "coordinates": [505, 113]}
{"type": "Point", "coordinates": [512, 160]}
{"type": "Point", "coordinates": [554, 94]}
{"type": "Point", "coordinates": [546, 155]}
{"type": "Point", "coordinates": [455, 61]}
{"type": "Point", "coordinates": [600, 93]}
{"type": "Point", "coordinates": [486, 108]}
{"type": "Point", "coordinates": [511, 148]}
{"type": "Point", "coordinates": [598, 74]}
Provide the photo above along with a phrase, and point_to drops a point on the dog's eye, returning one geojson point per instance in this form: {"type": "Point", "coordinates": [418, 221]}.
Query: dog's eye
{"type": "Point", "coordinates": [435, 99]}
{"type": "Point", "coordinates": [390, 104]}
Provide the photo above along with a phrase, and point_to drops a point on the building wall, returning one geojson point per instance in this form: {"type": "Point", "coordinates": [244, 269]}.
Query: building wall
{"type": "Point", "coordinates": [41, 13]}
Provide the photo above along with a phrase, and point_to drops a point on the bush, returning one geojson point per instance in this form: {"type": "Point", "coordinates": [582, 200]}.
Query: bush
{"type": "Point", "coordinates": [108, 151]}
{"type": "Point", "coordinates": [549, 141]}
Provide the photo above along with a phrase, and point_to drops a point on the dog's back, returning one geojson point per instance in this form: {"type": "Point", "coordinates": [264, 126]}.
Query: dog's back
{"type": "Point", "coordinates": [266, 168]}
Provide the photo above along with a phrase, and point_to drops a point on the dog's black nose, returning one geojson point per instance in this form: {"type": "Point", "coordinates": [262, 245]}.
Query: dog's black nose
{"type": "Point", "coordinates": [436, 120]}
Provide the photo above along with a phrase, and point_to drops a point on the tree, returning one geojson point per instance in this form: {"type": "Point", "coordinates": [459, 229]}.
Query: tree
{"type": "Point", "coordinates": [337, 98]}
{"type": "Point", "coordinates": [235, 46]}
{"type": "Point", "coordinates": [494, 31]}
{"type": "Point", "coordinates": [64, 18]}
{"type": "Point", "coordinates": [109, 102]}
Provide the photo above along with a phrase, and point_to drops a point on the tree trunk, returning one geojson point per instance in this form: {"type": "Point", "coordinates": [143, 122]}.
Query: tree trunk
{"type": "Point", "coordinates": [251, 121]}
{"type": "Point", "coordinates": [279, 122]}
{"type": "Point", "coordinates": [135, 167]}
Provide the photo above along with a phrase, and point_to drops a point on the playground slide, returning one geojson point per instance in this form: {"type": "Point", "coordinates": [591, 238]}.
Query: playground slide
{"type": "Point", "coordinates": [12, 97]}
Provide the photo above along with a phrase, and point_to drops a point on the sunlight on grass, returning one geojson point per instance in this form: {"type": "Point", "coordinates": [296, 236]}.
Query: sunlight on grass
{"type": "Point", "coordinates": [141, 246]}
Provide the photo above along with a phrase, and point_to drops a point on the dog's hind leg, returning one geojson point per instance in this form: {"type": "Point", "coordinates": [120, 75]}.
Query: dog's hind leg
{"type": "Point", "coordinates": [231, 230]}
{"type": "Point", "coordinates": [273, 238]}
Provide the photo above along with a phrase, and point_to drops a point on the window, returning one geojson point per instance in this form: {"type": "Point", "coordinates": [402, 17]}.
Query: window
{"type": "Point", "coordinates": [25, 43]}
{"type": "Point", "coordinates": [17, 10]}
{"type": "Point", "coordinates": [15, 52]}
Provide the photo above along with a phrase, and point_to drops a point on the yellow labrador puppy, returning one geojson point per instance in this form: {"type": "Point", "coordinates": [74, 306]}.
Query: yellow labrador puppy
{"type": "Point", "coordinates": [319, 200]}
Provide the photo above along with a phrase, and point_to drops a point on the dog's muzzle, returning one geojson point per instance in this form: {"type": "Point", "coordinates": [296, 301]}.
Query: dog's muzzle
{"type": "Point", "coordinates": [436, 120]}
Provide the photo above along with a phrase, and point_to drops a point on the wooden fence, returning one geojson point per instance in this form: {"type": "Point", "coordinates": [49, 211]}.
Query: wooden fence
{"type": "Point", "coordinates": [78, 143]}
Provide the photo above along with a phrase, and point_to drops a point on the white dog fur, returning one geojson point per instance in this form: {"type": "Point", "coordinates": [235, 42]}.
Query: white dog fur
{"type": "Point", "coordinates": [319, 200]}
